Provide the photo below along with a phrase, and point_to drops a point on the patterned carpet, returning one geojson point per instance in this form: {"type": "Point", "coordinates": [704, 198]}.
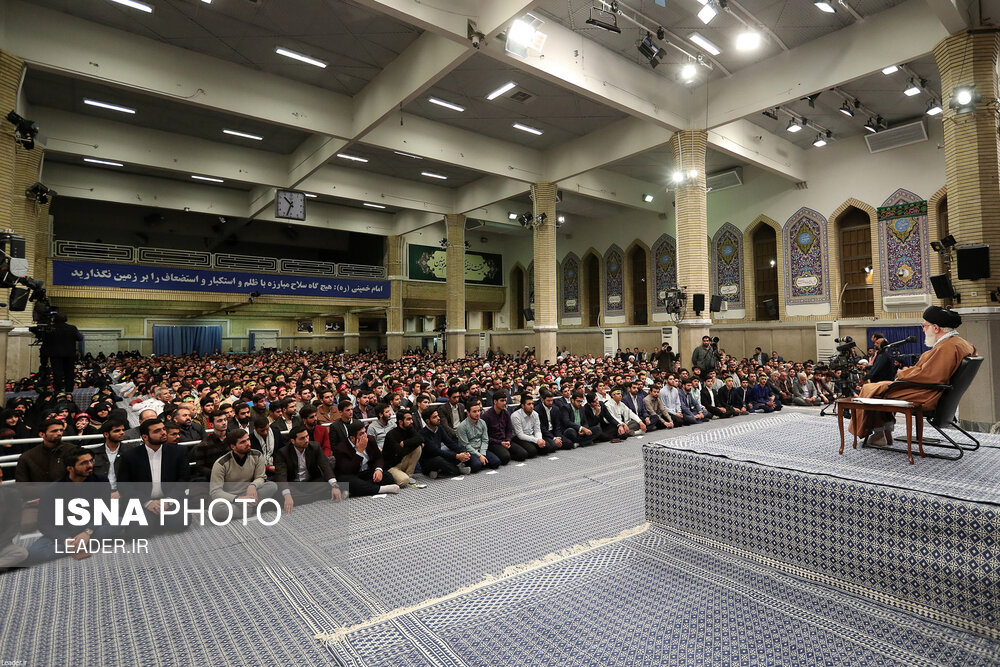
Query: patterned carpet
{"type": "Point", "coordinates": [256, 595]}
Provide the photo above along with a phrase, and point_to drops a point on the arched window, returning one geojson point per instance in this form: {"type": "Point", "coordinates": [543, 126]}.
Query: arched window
{"type": "Point", "coordinates": [638, 283]}
{"type": "Point", "coordinates": [592, 289]}
{"type": "Point", "coordinates": [517, 297]}
{"type": "Point", "coordinates": [856, 270]}
{"type": "Point", "coordinates": [765, 271]}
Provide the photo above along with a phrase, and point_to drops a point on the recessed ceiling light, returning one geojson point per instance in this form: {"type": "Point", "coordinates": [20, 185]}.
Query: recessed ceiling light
{"type": "Point", "coordinates": [141, 6]}
{"type": "Point", "coordinates": [353, 158]}
{"type": "Point", "coordinates": [891, 69]}
{"type": "Point", "coordinates": [511, 215]}
{"type": "Point", "coordinates": [647, 198]}
{"type": "Point", "coordinates": [243, 135]}
{"type": "Point", "coordinates": [748, 40]}
{"type": "Point", "coordinates": [705, 44]}
{"type": "Point", "coordinates": [311, 195]}
{"type": "Point", "coordinates": [825, 7]}
{"type": "Point", "coordinates": [374, 205]}
{"type": "Point", "coordinates": [527, 128]}
{"type": "Point", "coordinates": [430, 174]}
{"type": "Point", "coordinates": [446, 105]}
{"type": "Point", "coordinates": [298, 56]}
{"type": "Point", "coordinates": [207, 178]}
{"type": "Point", "coordinates": [107, 163]}
{"type": "Point", "coordinates": [501, 90]}
{"type": "Point", "coordinates": [409, 155]}
{"type": "Point", "coordinates": [105, 105]}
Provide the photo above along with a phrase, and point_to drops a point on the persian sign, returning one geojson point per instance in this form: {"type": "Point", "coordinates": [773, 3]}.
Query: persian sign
{"type": "Point", "coordinates": [430, 263]}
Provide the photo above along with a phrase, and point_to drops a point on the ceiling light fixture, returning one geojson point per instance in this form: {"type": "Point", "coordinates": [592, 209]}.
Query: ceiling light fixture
{"type": "Point", "coordinates": [891, 69]}
{"type": "Point", "coordinates": [446, 105]}
{"type": "Point", "coordinates": [794, 125]}
{"type": "Point", "coordinates": [373, 205]}
{"type": "Point", "coordinates": [819, 141]}
{"type": "Point", "coordinates": [430, 174]}
{"type": "Point", "coordinates": [524, 34]}
{"type": "Point", "coordinates": [107, 163]}
{"type": "Point", "coordinates": [870, 125]}
{"type": "Point", "coordinates": [824, 7]}
{"type": "Point", "coordinates": [311, 195]}
{"type": "Point", "coordinates": [708, 12]}
{"type": "Point", "coordinates": [748, 40]}
{"type": "Point", "coordinates": [111, 107]}
{"type": "Point", "coordinates": [847, 109]}
{"type": "Point", "coordinates": [647, 198]}
{"type": "Point", "coordinates": [678, 177]}
{"type": "Point", "coordinates": [207, 178]}
{"type": "Point", "coordinates": [688, 72]}
{"type": "Point", "coordinates": [911, 88]}
{"type": "Point", "coordinates": [501, 90]}
{"type": "Point", "coordinates": [601, 18]}
{"type": "Point", "coordinates": [964, 99]}
{"type": "Point", "coordinates": [705, 44]}
{"type": "Point", "coordinates": [561, 219]}
{"type": "Point", "coordinates": [933, 108]}
{"type": "Point", "coordinates": [244, 135]}
{"type": "Point", "coordinates": [409, 155]}
{"type": "Point", "coordinates": [511, 215]}
{"type": "Point", "coordinates": [353, 158]}
{"type": "Point", "coordinates": [649, 51]}
{"type": "Point", "coordinates": [527, 128]}
{"type": "Point", "coordinates": [281, 51]}
{"type": "Point", "coordinates": [142, 7]}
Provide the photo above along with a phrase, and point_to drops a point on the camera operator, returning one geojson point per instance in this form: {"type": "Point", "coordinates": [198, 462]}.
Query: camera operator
{"type": "Point", "coordinates": [706, 357]}
{"type": "Point", "coordinates": [61, 345]}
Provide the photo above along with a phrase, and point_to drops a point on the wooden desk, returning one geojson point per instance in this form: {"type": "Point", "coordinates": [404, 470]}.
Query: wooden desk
{"type": "Point", "coordinates": [909, 410]}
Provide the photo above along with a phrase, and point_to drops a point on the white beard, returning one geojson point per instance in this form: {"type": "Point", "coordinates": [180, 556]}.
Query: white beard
{"type": "Point", "coordinates": [929, 339]}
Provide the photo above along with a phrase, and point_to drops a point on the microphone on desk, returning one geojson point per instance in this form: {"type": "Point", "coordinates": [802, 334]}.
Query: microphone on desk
{"type": "Point", "coordinates": [910, 339]}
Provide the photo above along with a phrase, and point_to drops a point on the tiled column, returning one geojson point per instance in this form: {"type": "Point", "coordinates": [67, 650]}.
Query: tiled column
{"type": "Point", "coordinates": [394, 313]}
{"type": "Point", "coordinates": [972, 175]}
{"type": "Point", "coordinates": [455, 280]}
{"type": "Point", "coordinates": [692, 229]}
{"type": "Point", "coordinates": [352, 336]}
{"type": "Point", "coordinates": [544, 238]}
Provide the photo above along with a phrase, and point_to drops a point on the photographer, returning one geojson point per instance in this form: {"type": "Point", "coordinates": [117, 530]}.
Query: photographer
{"type": "Point", "coordinates": [705, 357]}
{"type": "Point", "coordinates": [61, 345]}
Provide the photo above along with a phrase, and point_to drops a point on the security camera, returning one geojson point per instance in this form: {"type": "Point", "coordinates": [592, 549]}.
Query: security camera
{"type": "Point", "coordinates": [476, 40]}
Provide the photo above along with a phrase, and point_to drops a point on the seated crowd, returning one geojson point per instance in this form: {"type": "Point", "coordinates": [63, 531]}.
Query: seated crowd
{"type": "Point", "coordinates": [255, 426]}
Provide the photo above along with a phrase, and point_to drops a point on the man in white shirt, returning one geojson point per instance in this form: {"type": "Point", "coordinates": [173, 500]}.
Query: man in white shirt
{"type": "Point", "coordinates": [153, 472]}
{"type": "Point", "coordinates": [528, 428]}
{"type": "Point", "coordinates": [629, 422]}
{"type": "Point", "coordinates": [670, 396]}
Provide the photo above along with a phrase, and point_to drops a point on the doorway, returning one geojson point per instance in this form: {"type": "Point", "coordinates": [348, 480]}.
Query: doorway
{"type": "Point", "coordinates": [765, 271]}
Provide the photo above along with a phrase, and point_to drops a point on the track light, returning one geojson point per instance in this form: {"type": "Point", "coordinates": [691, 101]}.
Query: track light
{"type": "Point", "coordinates": [678, 177]}
{"type": "Point", "coordinates": [25, 130]}
{"type": "Point", "coordinates": [824, 7]}
{"type": "Point", "coordinates": [39, 193]}
{"type": "Point", "coordinates": [871, 125]}
{"type": "Point", "coordinates": [600, 18]}
{"type": "Point", "coordinates": [912, 88]}
{"type": "Point", "coordinates": [771, 113]}
{"type": "Point", "coordinates": [748, 40]}
{"type": "Point", "coordinates": [649, 51]}
{"type": "Point", "coordinates": [541, 217]}
{"type": "Point", "coordinates": [964, 99]}
{"type": "Point", "coordinates": [933, 108]}
{"type": "Point", "coordinates": [688, 72]}
{"type": "Point", "coordinates": [891, 69]}
{"type": "Point", "coordinates": [525, 219]}
{"type": "Point", "coordinates": [708, 12]}
{"type": "Point", "coordinates": [794, 125]}
{"type": "Point", "coordinates": [820, 141]}
{"type": "Point", "coordinates": [847, 109]}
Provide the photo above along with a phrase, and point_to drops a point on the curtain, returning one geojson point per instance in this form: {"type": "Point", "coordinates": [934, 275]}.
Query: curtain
{"type": "Point", "coordinates": [187, 339]}
{"type": "Point", "coordinates": [252, 337]}
{"type": "Point", "coordinates": [892, 334]}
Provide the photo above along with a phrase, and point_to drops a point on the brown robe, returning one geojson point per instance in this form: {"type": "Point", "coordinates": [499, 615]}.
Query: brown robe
{"type": "Point", "coordinates": [935, 366]}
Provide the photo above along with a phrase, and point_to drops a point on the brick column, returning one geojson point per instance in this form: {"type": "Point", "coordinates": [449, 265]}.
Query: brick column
{"type": "Point", "coordinates": [352, 337]}
{"type": "Point", "coordinates": [394, 313]}
{"type": "Point", "coordinates": [689, 148]}
{"type": "Point", "coordinates": [972, 175]}
{"type": "Point", "coordinates": [455, 280]}
{"type": "Point", "coordinates": [544, 239]}
{"type": "Point", "coordinates": [19, 169]}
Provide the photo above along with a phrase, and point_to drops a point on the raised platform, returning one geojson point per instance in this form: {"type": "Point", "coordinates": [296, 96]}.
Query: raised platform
{"type": "Point", "coordinates": [923, 538]}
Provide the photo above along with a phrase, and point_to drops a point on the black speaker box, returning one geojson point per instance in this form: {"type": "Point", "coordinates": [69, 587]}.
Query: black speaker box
{"type": "Point", "coordinates": [716, 303]}
{"type": "Point", "coordinates": [943, 289]}
{"type": "Point", "coordinates": [973, 261]}
{"type": "Point", "coordinates": [698, 303]}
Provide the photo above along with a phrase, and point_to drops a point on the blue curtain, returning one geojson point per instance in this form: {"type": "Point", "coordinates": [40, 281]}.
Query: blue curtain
{"type": "Point", "coordinates": [187, 339]}
{"type": "Point", "coordinates": [892, 334]}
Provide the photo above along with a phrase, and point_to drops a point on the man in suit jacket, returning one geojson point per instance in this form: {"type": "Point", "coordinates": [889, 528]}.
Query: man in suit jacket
{"type": "Point", "coordinates": [452, 413]}
{"type": "Point", "coordinates": [107, 459]}
{"type": "Point", "coordinates": [302, 471]}
{"type": "Point", "coordinates": [357, 461]}
{"type": "Point", "coordinates": [597, 421]}
{"type": "Point", "coordinates": [154, 472]}
{"type": "Point", "coordinates": [635, 399]}
{"type": "Point", "coordinates": [690, 406]}
{"type": "Point", "coordinates": [804, 391]}
{"type": "Point", "coordinates": [710, 401]}
{"type": "Point", "coordinates": [881, 368]}
{"type": "Point", "coordinates": [548, 417]}
{"type": "Point", "coordinates": [345, 428]}
{"type": "Point", "coordinates": [760, 356]}
{"type": "Point", "coordinates": [733, 396]}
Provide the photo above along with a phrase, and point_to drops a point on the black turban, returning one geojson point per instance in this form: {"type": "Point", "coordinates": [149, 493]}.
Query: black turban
{"type": "Point", "coordinates": [943, 317]}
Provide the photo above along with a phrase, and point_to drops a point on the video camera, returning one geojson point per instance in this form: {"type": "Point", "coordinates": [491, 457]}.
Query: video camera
{"type": "Point", "coordinates": [845, 344]}
{"type": "Point", "coordinates": [14, 274]}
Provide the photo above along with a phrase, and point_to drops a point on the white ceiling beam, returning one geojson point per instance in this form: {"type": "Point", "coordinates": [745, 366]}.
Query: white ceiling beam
{"type": "Point", "coordinates": [752, 143]}
{"type": "Point", "coordinates": [616, 189]}
{"type": "Point", "coordinates": [573, 62]}
{"type": "Point", "coordinates": [954, 16]}
{"type": "Point", "coordinates": [86, 136]}
{"type": "Point", "coordinates": [61, 43]}
{"type": "Point", "coordinates": [447, 19]}
{"type": "Point", "coordinates": [834, 59]}
{"type": "Point", "coordinates": [486, 191]}
{"type": "Point", "coordinates": [617, 141]}
{"type": "Point", "coordinates": [452, 145]}
{"type": "Point", "coordinates": [497, 212]}
{"type": "Point", "coordinates": [365, 186]}
{"type": "Point", "coordinates": [411, 221]}
{"type": "Point", "coordinates": [311, 155]}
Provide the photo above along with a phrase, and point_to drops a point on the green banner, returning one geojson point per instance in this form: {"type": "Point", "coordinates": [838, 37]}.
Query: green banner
{"type": "Point", "coordinates": [481, 268]}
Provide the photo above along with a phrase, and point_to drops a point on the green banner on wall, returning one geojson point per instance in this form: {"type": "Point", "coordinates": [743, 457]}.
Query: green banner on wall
{"type": "Point", "coordinates": [481, 268]}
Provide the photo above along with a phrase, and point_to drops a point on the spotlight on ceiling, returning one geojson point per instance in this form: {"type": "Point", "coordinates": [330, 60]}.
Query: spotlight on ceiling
{"type": "Point", "coordinates": [912, 88]}
{"type": "Point", "coordinates": [39, 193]}
{"type": "Point", "coordinates": [847, 109]}
{"type": "Point", "coordinates": [771, 113]}
{"type": "Point", "coordinates": [871, 125]}
{"type": "Point", "coordinates": [678, 177]}
{"type": "Point", "coordinates": [748, 40]}
{"type": "Point", "coordinates": [688, 72]}
{"type": "Point", "coordinates": [708, 12]}
{"type": "Point", "coordinates": [819, 141]}
{"type": "Point", "coordinates": [824, 7]}
{"type": "Point", "coordinates": [891, 69]}
{"type": "Point", "coordinates": [525, 219]}
{"type": "Point", "coordinates": [511, 215]}
{"type": "Point", "coordinates": [648, 198]}
{"type": "Point", "coordinates": [25, 130]}
{"type": "Point", "coordinates": [604, 19]}
{"type": "Point", "coordinates": [524, 34]}
{"type": "Point", "coordinates": [794, 125]}
{"type": "Point", "coordinates": [933, 108]}
{"type": "Point", "coordinates": [649, 51]}
{"type": "Point", "coordinates": [964, 99]}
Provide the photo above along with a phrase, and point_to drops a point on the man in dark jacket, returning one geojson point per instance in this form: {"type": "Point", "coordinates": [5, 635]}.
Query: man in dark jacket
{"type": "Point", "coordinates": [61, 343]}
{"type": "Point", "coordinates": [402, 449]}
{"type": "Point", "coordinates": [442, 455]}
{"type": "Point", "coordinates": [10, 523]}
{"type": "Point", "coordinates": [153, 472]}
{"type": "Point", "coordinates": [302, 469]}
{"type": "Point", "coordinates": [43, 462]}
{"type": "Point", "coordinates": [357, 462]}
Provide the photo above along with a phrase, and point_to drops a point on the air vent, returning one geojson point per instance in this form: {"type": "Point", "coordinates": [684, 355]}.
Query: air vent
{"type": "Point", "coordinates": [521, 96]}
{"type": "Point", "coordinates": [896, 137]}
{"type": "Point", "coordinates": [725, 180]}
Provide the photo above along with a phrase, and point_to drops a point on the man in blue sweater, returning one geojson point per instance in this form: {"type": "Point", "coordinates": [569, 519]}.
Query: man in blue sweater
{"type": "Point", "coordinates": [442, 455]}
{"type": "Point", "coordinates": [761, 398]}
